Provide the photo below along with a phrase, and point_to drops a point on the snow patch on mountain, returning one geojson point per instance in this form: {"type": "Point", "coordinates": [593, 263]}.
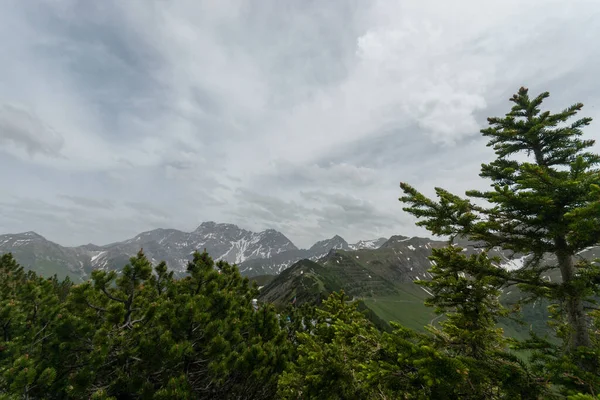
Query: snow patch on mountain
{"type": "Point", "coordinates": [514, 264]}
{"type": "Point", "coordinates": [96, 256]}
{"type": "Point", "coordinates": [367, 244]}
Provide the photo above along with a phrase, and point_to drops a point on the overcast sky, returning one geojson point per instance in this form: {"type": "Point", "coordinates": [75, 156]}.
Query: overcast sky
{"type": "Point", "coordinates": [118, 117]}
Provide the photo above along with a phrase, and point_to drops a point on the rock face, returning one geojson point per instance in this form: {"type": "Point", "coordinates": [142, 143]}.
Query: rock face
{"type": "Point", "coordinates": [368, 244]}
{"type": "Point", "coordinates": [279, 262]}
{"type": "Point", "coordinates": [222, 241]}
{"type": "Point", "coordinates": [267, 252]}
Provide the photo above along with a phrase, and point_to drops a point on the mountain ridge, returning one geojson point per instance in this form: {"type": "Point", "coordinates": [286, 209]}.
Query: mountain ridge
{"type": "Point", "coordinates": [255, 253]}
{"type": "Point", "coordinates": [383, 281]}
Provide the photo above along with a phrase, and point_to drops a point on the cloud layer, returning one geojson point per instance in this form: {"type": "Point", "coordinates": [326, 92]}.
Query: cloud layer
{"type": "Point", "coordinates": [118, 117]}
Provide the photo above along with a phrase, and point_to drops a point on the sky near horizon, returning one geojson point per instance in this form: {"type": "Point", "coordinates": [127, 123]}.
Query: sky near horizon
{"type": "Point", "coordinates": [118, 117]}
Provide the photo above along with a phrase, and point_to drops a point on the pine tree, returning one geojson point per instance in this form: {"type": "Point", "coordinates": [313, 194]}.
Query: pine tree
{"type": "Point", "coordinates": [467, 294]}
{"type": "Point", "coordinates": [548, 203]}
{"type": "Point", "coordinates": [131, 334]}
{"type": "Point", "coordinates": [466, 291]}
{"type": "Point", "coordinates": [30, 309]}
{"type": "Point", "coordinates": [331, 357]}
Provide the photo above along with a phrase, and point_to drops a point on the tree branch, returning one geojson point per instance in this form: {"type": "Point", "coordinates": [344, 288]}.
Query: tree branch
{"type": "Point", "coordinates": [111, 296]}
{"type": "Point", "coordinates": [95, 307]}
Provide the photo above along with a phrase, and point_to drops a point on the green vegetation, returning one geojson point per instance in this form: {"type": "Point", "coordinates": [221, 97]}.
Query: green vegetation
{"type": "Point", "coordinates": [407, 308]}
{"type": "Point", "coordinates": [137, 335]}
{"type": "Point", "coordinates": [262, 280]}
{"type": "Point", "coordinates": [141, 333]}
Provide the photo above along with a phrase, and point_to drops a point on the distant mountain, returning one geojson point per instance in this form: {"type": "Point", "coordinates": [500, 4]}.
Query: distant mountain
{"type": "Point", "coordinates": [33, 251]}
{"type": "Point", "coordinates": [263, 253]}
{"type": "Point", "coordinates": [279, 262]}
{"type": "Point", "coordinates": [223, 241]}
{"type": "Point", "coordinates": [323, 246]}
{"type": "Point", "coordinates": [368, 244]}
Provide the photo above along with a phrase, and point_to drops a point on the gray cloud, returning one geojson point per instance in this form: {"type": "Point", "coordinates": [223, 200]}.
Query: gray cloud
{"type": "Point", "coordinates": [347, 213]}
{"type": "Point", "coordinates": [88, 202]}
{"type": "Point", "coordinates": [145, 208]}
{"type": "Point", "coordinates": [335, 174]}
{"type": "Point", "coordinates": [268, 208]}
{"type": "Point", "coordinates": [303, 117]}
{"type": "Point", "coordinates": [21, 128]}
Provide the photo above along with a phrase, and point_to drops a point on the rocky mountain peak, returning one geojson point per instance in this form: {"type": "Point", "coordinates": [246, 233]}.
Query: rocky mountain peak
{"type": "Point", "coordinates": [31, 235]}
{"type": "Point", "coordinates": [211, 225]}
{"type": "Point", "coordinates": [223, 242]}
{"type": "Point", "coordinates": [277, 239]}
{"type": "Point", "coordinates": [323, 246]}
{"type": "Point", "coordinates": [21, 238]}
{"type": "Point", "coordinates": [394, 240]}
{"type": "Point", "coordinates": [368, 244]}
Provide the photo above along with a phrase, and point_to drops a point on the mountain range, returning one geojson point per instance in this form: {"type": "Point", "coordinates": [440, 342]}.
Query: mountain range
{"type": "Point", "coordinates": [256, 253]}
{"type": "Point", "coordinates": [379, 273]}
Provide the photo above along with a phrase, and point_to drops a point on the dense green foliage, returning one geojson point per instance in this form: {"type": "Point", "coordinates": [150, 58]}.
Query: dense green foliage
{"type": "Point", "coordinates": [136, 334]}
{"type": "Point", "coordinates": [139, 333]}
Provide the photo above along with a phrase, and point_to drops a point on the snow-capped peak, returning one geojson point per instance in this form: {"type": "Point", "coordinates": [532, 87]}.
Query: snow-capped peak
{"type": "Point", "coordinates": [368, 244]}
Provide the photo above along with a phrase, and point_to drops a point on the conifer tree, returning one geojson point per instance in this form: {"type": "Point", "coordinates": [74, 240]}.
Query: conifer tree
{"type": "Point", "coordinates": [132, 335]}
{"type": "Point", "coordinates": [331, 357]}
{"type": "Point", "coordinates": [30, 307]}
{"type": "Point", "coordinates": [545, 202]}
{"type": "Point", "coordinates": [465, 290]}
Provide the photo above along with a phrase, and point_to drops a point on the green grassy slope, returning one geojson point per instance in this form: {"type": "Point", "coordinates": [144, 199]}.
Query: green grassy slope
{"type": "Point", "coordinates": [384, 284]}
{"type": "Point", "coordinates": [367, 275]}
{"type": "Point", "coordinates": [262, 280]}
{"type": "Point", "coordinates": [410, 313]}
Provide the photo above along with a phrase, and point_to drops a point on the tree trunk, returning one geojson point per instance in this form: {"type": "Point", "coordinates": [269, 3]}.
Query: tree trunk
{"type": "Point", "coordinates": [573, 304]}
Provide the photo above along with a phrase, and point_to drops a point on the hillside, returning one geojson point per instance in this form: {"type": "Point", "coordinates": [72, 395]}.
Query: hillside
{"type": "Point", "coordinates": [365, 275]}
{"type": "Point", "coordinates": [45, 257]}
{"type": "Point", "coordinates": [383, 279]}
